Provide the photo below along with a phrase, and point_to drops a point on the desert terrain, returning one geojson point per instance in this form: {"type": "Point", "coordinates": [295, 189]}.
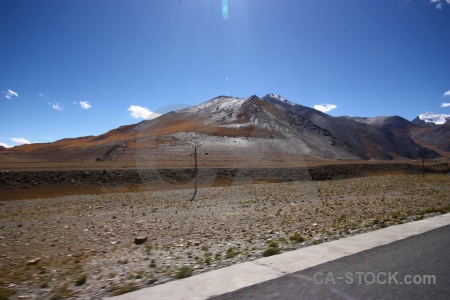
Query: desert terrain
{"type": "Point", "coordinates": [96, 216]}
{"type": "Point", "coordinates": [114, 231]}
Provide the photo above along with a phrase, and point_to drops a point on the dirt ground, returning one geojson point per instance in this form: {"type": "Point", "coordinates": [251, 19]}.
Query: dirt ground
{"type": "Point", "coordinates": [95, 245]}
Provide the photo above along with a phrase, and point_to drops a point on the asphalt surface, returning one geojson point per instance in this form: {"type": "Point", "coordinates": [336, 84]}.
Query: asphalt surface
{"type": "Point", "coordinates": [417, 267]}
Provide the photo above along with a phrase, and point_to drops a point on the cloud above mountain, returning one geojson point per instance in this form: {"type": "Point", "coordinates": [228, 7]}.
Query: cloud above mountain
{"type": "Point", "coordinates": [139, 112]}
{"type": "Point", "coordinates": [446, 94]}
{"type": "Point", "coordinates": [325, 107]}
{"type": "Point", "coordinates": [20, 141]}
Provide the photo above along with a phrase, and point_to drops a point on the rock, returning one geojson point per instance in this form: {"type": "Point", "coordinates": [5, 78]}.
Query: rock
{"type": "Point", "coordinates": [33, 261]}
{"type": "Point", "coordinates": [140, 240]}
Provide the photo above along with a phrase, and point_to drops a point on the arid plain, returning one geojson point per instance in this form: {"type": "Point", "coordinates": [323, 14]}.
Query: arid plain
{"type": "Point", "coordinates": [110, 235]}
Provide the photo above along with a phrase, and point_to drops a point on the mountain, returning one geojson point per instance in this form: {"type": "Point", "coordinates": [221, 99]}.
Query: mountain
{"type": "Point", "coordinates": [246, 125]}
{"type": "Point", "coordinates": [251, 129]}
{"type": "Point", "coordinates": [426, 129]}
{"type": "Point", "coordinates": [435, 137]}
{"type": "Point", "coordinates": [367, 140]}
{"type": "Point", "coordinates": [429, 118]}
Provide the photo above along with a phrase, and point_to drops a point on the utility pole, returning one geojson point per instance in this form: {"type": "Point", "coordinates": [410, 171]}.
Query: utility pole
{"type": "Point", "coordinates": [195, 171]}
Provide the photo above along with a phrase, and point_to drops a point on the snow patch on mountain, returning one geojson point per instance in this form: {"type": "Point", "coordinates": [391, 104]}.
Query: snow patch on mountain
{"type": "Point", "coordinates": [437, 119]}
{"type": "Point", "coordinates": [218, 104]}
{"type": "Point", "coordinates": [235, 125]}
{"type": "Point", "coordinates": [272, 97]}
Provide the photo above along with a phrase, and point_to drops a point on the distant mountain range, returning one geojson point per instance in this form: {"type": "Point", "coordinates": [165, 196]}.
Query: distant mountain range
{"type": "Point", "coordinates": [239, 124]}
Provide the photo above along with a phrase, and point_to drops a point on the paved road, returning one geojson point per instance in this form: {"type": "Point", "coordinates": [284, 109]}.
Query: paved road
{"type": "Point", "coordinates": [424, 254]}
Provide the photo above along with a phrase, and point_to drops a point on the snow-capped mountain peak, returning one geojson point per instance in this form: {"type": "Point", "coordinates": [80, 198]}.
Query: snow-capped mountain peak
{"type": "Point", "coordinates": [277, 97]}
{"type": "Point", "coordinates": [437, 119]}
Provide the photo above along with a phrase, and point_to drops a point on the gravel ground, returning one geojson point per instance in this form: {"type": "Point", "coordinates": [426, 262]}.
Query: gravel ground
{"type": "Point", "coordinates": [92, 246]}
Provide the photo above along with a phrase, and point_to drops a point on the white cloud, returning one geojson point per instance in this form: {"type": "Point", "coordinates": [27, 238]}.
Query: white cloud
{"type": "Point", "coordinates": [10, 94]}
{"type": "Point", "coordinates": [447, 93]}
{"type": "Point", "coordinates": [325, 107]}
{"type": "Point", "coordinates": [4, 145]}
{"type": "Point", "coordinates": [445, 104]}
{"type": "Point", "coordinates": [439, 3]}
{"type": "Point", "coordinates": [85, 104]}
{"type": "Point", "coordinates": [139, 112]}
{"type": "Point", "coordinates": [20, 141]}
{"type": "Point", "coordinates": [57, 106]}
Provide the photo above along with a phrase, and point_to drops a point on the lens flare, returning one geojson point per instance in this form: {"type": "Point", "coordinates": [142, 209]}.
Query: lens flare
{"type": "Point", "coordinates": [225, 9]}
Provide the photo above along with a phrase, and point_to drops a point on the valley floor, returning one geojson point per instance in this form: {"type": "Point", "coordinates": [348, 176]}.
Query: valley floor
{"type": "Point", "coordinates": [83, 246]}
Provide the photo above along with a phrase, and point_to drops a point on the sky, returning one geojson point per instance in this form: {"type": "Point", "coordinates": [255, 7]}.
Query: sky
{"type": "Point", "coordinates": [72, 68]}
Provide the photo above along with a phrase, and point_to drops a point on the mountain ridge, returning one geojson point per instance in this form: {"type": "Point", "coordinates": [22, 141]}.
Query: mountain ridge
{"type": "Point", "coordinates": [225, 121]}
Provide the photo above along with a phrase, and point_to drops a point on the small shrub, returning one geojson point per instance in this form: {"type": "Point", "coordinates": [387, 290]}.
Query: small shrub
{"type": "Point", "coordinates": [152, 264]}
{"type": "Point", "coordinates": [231, 253]}
{"type": "Point", "coordinates": [122, 289]}
{"type": "Point", "coordinates": [112, 274]}
{"type": "Point", "coordinates": [271, 251]}
{"type": "Point", "coordinates": [139, 275]}
{"type": "Point", "coordinates": [62, 292]}
{"type": "Point", "coordinates": [44, 284]}
{"type": "Point", "coordinates": [5, 294]}
{"type": "Point", "coordinates": [273, 244]}
{"type": "Point", "coordinates": [184, 272]}
{"type": "Point", "coordinates": [80, 280]}
{"type": "Point", "coordinates": [208, 260]}
{"type": "Point", "coordinates": [283, 240]}
{"type": "Point", "coordinates": [296, 238]}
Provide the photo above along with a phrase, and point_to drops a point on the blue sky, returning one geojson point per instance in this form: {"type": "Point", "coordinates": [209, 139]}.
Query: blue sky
{"type": "Point", "coordinates": [71, 68]}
